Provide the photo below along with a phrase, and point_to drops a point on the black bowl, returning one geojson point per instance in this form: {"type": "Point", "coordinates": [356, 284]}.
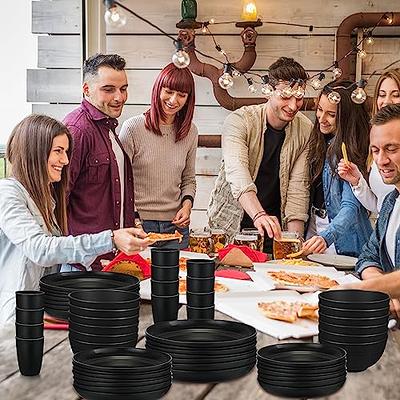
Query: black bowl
{"type": "Point", "coordinates": [300, 373]}
{"type": "Point", "coordinates": [29, 299]}
{"type": "Point", "coordinates": [352, 298]}
{"type": "Point", "coordinates": [351, 330]}
{"type": "Point", "coordinates": [124, 390]}
{"type": "Point", "coordinates": [356, 339]}
{"type": "Point", "coordinates": [164, 257]}
{"type": "Point", "coordinates": [349, 313]}
{"type": "Point", "coordinates": [200, 268]}
{"type": "Point", "coordinates": [104, 330]}
{"type": "Point", "coordinates": [29, 331]}
{"type": "Point", "coordinates": [301, 382]}
{"type": "Point", "coordinates": [104, 322]}
{"type": "Point", "coordinates": [106, 299]}
{"type": "Point", "coordinates": [373, 321]}
{"type": "Point", "coordinates": [100, 313]}
{"type": "Point", "coordinates": [79, 346]}
{"type": "Point", "coordinates": [100, 337]}
{"type": "Point", "coordinates": [192, 366]}
{"type": "Point", "coordinates": [360, 356]}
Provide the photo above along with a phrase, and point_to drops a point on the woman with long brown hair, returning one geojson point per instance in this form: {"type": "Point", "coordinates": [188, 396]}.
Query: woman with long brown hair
{"type": "Point", "coordinates": [162, 145]}
{"type": "Point", "coordinates": [338, 222]}
{"type": "Point", "coordinates": [33, 212]}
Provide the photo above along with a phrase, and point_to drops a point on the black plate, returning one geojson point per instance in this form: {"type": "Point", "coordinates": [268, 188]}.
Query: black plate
{"type": "Point", "coordinates": [301, 382]}
{"type": "Point", "coordinates": [214, 366]}
{"type": "Point", "coordinates": [192, 333]}
{"type": "Point", "coordinates": [271, 369]}
{"type": "Point", "coordinates": [133, 390]}
{"type": "Point", "coordinates": [104, 321]}
{"type": "Point", "coordinates": [353, 298]}
{"type": "Point", "coordinates": [203, 359]}
{"type": "Point", "coordinates": [211, 376]}
{"type": "Point", "coordinates": [122, 360]}
{"type": "Point", "coordinates": [282, 391]}
{"type": "Point", "coordinates": [78, 345]}
{"type": "Point", "coordinates": [155, 394]}
{"type": "Point", "coordinates": [306, 354]}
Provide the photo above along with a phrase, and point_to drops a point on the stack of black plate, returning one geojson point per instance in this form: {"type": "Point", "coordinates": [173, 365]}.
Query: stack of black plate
{"type": "Point", "coordinates": [205, 350]}
{"type": "Point", "coordinates": [301, 370]}
{"type": "Point", "coordinates": [58, 286]}
{"type": "Point", "coordinates": [121, 374]}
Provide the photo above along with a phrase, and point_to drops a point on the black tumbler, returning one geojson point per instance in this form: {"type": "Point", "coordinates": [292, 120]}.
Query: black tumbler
{"type": "Point", "coordinates": [200, 312]}
{"type": "Point", "coordinates": [29, 299]}
{"type": "Point", "coordinates": [164, 257]}
{"type": "Point", "coordinates": [200, 268]}
{"type": "Point", "coordinates": [30, 355]}
{"type": "Point", "coordinates": [29, 331]}
{"type": "Point", "coordinates": [165, 308]}
{"type": "Point", "coordinates": [29, 316]}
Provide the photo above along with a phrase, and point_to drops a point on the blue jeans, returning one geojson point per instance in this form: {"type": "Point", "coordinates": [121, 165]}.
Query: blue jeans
{"type": "Point", "coordinates": [167, 227]}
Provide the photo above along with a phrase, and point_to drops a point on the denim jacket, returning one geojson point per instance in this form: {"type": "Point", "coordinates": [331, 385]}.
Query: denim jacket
{"type": "Point", "coordinates": [349, 227]}
{"type": "Point", "coordinates": [374, 253]}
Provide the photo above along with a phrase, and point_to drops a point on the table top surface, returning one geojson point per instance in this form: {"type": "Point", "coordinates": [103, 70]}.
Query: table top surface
{"type": "Point", "coordinates": [55, 380]}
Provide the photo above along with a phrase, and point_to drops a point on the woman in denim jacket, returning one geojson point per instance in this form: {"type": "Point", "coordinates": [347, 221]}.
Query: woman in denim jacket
{"type": "Point", "coordinates": [338, 222]}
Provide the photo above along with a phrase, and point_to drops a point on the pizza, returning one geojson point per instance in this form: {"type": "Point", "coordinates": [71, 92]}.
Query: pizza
{"type": "Point", "coordinates": [288, 311]}
{"type": "Point", "coordinates": [218, 287]}
{"type": "Point", "coordinates": [296, 261]}
{"type": "Point", "coordinates": [300, 279]}
{"type": "Point", "coordinates": [158, 237]}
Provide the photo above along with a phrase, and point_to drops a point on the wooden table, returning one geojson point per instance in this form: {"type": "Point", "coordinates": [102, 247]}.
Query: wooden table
{"type": "Point", "coordinates": [380, 382]}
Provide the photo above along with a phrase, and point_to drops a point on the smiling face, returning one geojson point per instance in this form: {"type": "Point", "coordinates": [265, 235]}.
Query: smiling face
{"type": "Point", "coordinates": [58, 157]}
{"type": "Point", "coordinates": [281, 111]}
{"type": "Point", "coordinates": [389, 93]}
{"type": "Point", "coordinates": [326, 115]}
{"type": "Point", "coordinates": [385, 148]}
{"type": "Point", "coordinates": [171, 102]}
{"type": "Point", "coordinates": [107, 91]}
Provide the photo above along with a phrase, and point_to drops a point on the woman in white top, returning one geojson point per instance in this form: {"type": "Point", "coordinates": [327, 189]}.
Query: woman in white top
{"type": "Point", "coordinates": [33, 213]}
{"type": "Point", "coordinates": [387, 91]}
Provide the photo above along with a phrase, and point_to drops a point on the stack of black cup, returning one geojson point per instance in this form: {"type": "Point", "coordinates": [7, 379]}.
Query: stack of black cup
{"type": "Point", "coordinates": [200, 293]}
{"type": "Point", "coordinates": [29, 331]}
{"type": "Point", "coordinates": [164, 284]}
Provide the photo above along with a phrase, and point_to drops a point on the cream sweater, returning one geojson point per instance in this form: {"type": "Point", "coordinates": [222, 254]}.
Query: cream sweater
{"type": "Point", "coordinates": [163, 170]}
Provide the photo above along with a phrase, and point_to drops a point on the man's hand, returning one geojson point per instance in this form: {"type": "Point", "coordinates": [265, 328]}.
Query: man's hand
{"type": "Point", "coordinates": [270, 224]}
{"type": "Point", "coordinates": [316, 244]}
{"type": "Point", "coordinates": [349, 172]}
{"type": "Point", "coordinates": [182, 217]}
{"type": "Point", "coordinates": [131, 240]}
{"type": "Point", "coordinates": [395, 308]}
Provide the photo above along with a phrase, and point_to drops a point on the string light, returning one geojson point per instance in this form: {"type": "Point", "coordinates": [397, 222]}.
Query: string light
{"type": "Point", "coordinates": [337, 72]}
{"type": "Point", "coordinates": [358, 95]}
{"type": "Point", "coordinates": [369, 40]}
{"type": "Point", "coordinates": [334, 97]}
{"type": "Point", "coordinates": [266, 89]}
{"type": "Point", "coordinates": [389, 18]}
{"type": "Point", "coordinates": [362, 53]}
{"type": "Point", "coordinates": [114, 16]}
{"type": "Point", "coordinates": [316, 82]}
{"type": "Point", "coordinates": [180, 58]}
{"type": "Point", "coordinates": [226, 80]}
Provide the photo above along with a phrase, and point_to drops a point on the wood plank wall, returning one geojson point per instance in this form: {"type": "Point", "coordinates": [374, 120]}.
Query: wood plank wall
{"type": "Point", "coordinates": [54, 87]}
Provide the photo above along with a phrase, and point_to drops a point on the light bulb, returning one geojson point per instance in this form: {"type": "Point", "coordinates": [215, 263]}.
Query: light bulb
{"type": "Point", "coordinates": [252, 88]}
{"type": "Point", "coordinates": [316, 83]}
{"type": "Point", "coordinates": [362, 54]}
{"type": "Point", "coordinates": [337, 73]}
{"type": "Point", "coordinates": [286, 92]}
{"type": "Point", "coordinates": [358, 95]}
{"type": "Point", "coordinates": [267, 90]}
{"type": "Point", "coordinates": [225, 80]}
{"type": "Point", "coordinates": [334, 97]}
{"type": "Point", "coordinates": [370, 40]}
{"type": "Point", "coordinates": [114, 17]}
{"type": "Point", "coordinates": [212, 21]}
{"type": "Point", "coordinates": [249, 10]}
{"type": "Point", "coordinates": [181, 59]}
{"type": "Point", "coordinates": [299, 92]}
{"type": "Point", "coordinates": [204, 29]}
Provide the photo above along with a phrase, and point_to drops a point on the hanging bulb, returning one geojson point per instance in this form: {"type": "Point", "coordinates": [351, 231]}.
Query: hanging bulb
{"type": "Point", "coordinates": [358, 95]}
{"type": "Point", "coordinates": [337, 73]}
{"type": "Point", "coordinates": [316, 83]}
{"type": "Point", "coordinates": [286, 92]}
{"type": "Point", "coordinates": [362, 53]}
{"type": "Point", "coordinates": [299, 92]}
{"type": "Point", "coordinates": [114, 17]}
{"type": "Point", "coordinates": [180, 58]}
{"type": "Point", "coordinates": [212, 21]}
{"type": "Point", "coordinates": [226, 80]}
{"type": "Point", "coordinates": [334, 97]}
{"type": "Point", "coordinates": [389, 18]}
{"type": "Point", "coordinates": [369, 40]}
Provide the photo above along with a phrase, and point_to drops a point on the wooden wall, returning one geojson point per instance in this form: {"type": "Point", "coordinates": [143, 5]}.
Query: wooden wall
{"type": "Point", "coordinates": [54, 87]}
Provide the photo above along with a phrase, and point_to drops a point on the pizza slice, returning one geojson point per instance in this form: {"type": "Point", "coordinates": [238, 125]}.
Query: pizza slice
{"type": "Point", "coordinates": [218, 287]}
{"type": "Point", "coordinates": [158, 237]}
{"type": "Point", "coordinates": [308, 311]}
{"type": "Point", "coordinates": [300, 279]}
{"type": "Point", "coordinates": [288, 311]}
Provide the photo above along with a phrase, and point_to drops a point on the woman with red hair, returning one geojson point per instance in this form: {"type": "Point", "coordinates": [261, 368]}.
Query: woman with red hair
{"type": "Point", "coordinates": [162, 145]}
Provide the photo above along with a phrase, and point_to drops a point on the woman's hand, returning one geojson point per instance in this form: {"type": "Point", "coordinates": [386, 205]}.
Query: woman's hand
{"type": "Point", "coordinates": [316, 244]}
{"type": "Point", "coordinates": [349, 172]}
{"type": "Point", "coordinates": [131, 240]}
{"type": "Point", "coordinates": [182, 217]}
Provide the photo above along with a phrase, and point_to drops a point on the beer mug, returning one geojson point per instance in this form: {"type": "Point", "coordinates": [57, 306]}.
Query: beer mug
{"type": "Point", "coordinates": [289, 243]}
{"type": "Point", "coordinates": [260, 238]}
{"type": "Point", "coordinates": [200, 241]}
{"type": "Point", "coordinates": [218, 238]}
{"type": "Point", "coordinates": [246, 240]}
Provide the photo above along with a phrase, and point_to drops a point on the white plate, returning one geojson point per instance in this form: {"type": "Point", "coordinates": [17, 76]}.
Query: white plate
{"type": "Point", "coordinates": [335, 260]}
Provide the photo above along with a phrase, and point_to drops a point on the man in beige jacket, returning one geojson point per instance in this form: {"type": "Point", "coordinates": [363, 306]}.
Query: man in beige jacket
{"type": "Point", "coordinates": [264, 177]}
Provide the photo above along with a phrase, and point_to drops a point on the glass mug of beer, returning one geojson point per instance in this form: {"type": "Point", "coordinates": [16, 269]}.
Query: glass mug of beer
{"type": "Point", "coordinates": [260, 238]}
{"type": "Point", "coordinates": [290, 243]}
{"type": "Point", "coordinates": [200, 241]}
{"type": "Point", "coordinates": [219, 239]}
{"type": "Point", "coordinates": [241, 239]}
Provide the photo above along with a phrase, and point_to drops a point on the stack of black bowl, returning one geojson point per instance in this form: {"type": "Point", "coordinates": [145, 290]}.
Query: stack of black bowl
{"type": "Point", "coordinates": [357, 321]}
{"type": "Point", "coordinates": [205, 350]}
{"type": "Point", "coordinates": [102, 318]}
{"type": "Point", "coordinates": [29, 331]}
{"type": "Point", "coordinates": [200, 293]}
{"type": "Point", "coordinates": [301, 370]}
{"type": "Point", "coordinates": [121, 374]}
{"type": "Point", "coordinates": [58, 286]}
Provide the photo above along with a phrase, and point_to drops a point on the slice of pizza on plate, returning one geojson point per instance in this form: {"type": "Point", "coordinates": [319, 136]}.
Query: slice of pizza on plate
{"type": "Point", "coordinates": [158, 237]}
{"type": "Point", "coordinates": [301, 279]}
{"type": "Point", "coordinates": [288, 311]}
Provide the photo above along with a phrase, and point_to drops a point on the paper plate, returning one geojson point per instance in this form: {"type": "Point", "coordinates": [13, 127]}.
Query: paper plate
{"type": "Point", "coordinates": [336, 260]}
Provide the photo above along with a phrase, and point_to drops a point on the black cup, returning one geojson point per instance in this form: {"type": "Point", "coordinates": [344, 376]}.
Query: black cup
{"type": "Point", "coordinates": [164, 257]}
{"type": "Point", "coordinates": [160, 273]}
{"type": "Point", "coordinates": [29, 299]}
{"type": "Point", "coordinates": [165, 308]}
{"type": "Point", "coordinates": [29, 331]}
{"type": "Point", "coordinates": [200, 312]}
{"type": "Point", "coordinates": [29, 316]}
{"type": "Point", "coordinates": [30, 355]}
{"type": "Point", "coordinates": [200, 268]}
{"type": "Point", "coordinates": [200, 299]}
{"type": "Point", "coordinates": [164, 288]}
{"type": "Point", "coordinates": [200, 285]}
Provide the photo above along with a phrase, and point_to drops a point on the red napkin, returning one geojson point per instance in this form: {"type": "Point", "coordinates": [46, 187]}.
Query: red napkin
{"type": "Point", "coordinates": [254, 255]}
{"type": "Point", "coordinates": [232, 274]}
{"type": "Point", "coordinates": [141, 263]}
{"type": "Point", "coordinates": [60, 327]}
